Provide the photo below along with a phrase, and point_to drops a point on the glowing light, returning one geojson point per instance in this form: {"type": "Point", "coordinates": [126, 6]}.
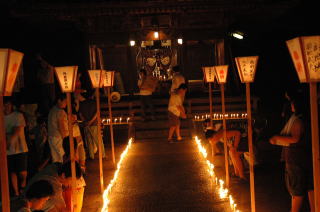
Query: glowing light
{"type": "Point", "coordinates": [156, 35]}
{"type": "Point", "coordinates": [237, 35]}
{"type": "Point", "coordinates": [180, 41]}
{"type": "Point", "coordinates": [107, 191]}
{"type": "Point", "coordinates": [222, 191]}
{"type": "Point", "coordinates": [132, 43]}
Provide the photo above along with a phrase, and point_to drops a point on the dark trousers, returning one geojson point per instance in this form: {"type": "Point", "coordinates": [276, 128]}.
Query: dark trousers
{"type": "Point", "coordinates": [146, 101]}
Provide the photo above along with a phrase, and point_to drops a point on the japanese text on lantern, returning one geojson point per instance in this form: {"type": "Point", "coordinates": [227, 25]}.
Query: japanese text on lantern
{"type": "Point", "coordinates": [294, 48]}
{"type": "Point", "coordinates": [65, 80]}
{"type": "Point", "coordinates": [312, 55]}
{"type": "Point", "coordinates": [209, 74]}
{"type": "Point", "coordinates": [247, 68]}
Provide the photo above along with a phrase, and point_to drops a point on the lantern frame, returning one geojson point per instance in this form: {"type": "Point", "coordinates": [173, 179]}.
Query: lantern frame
{"type": "Point", "coordinates": [94, 75]}
{"type": "Point", "coordinates": [59, 71]}
{"type": "Point", "coordinates": [219, 68]}
{"type": "Point", "coordinates": [10, 62]}
{"type": "Point", "coordinates": [206, 75]}
{"type": "Point", "coordinates": [304, 57]}
{"type": "Point", "coordinates": [242, 76]}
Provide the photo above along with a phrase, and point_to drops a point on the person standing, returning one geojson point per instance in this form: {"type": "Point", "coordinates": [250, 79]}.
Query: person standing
{"type": "Point", "coordinates": [175, 111]}
{"type": "Point", "coordinates": [177, 79]}
{"type": "Point", "coordinates": [147, 84]}
{"type": "Point", "coordinates": [297, 155]}
{"type": "Point", "coordinates": [58, 128]}
{"type": "Point", "coordinates": [88, 114]}
{"type": "Point", "coordinates": [17, 149]}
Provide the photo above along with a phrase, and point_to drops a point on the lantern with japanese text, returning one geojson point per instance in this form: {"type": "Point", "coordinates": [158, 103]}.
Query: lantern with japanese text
{"type": "Point", "coordinates": [221, 72]}
{"type": "Point", "coordinates": [305, 54]}
{"type": "Point", "coordinates": [96, 78]}
{"type": "Point", "coordinates": [208, 73]}
{"type": "Point", "coordinates": [67, 77]}
{"type": "Point", "coordinates": [10, 61]}
{"type": "Point", "coordinates": [108, 78]}
{"type": "Point", "coordinates": [247, 68]}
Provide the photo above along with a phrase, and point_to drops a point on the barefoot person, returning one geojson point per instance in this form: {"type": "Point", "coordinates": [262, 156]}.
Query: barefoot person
{"type": "Point", "coordinates": [175, 111]}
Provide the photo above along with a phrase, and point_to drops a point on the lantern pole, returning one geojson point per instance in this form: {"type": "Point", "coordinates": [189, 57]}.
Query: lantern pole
{"type": "Point", "coordinates": [71, 142]}
{"type": "Point", "coordinates": [211, 108]}
{"type": "Point", "coordinates": [5, 196]}
{"type": "Point", "coordinates": [111, 126]}
{"type": "Point", "coordinates": [225, 146]}
{"type": "Point", "coordinates": [315, 143]}
{"type": "Point", "coordinates": [251, 154]}
{"type": "Point", "coordinates": [99, 139]}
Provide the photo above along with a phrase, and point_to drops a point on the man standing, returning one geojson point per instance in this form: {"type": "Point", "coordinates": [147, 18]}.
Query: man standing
{"type": "Point", "coordinates": [88, 114]}
{"type": "Point", "coordinates": [17, 149]}
{"type": "Point", "coordinates": [58, 128]}
{"type": "Point", "coordinates": [175, 111]}
{"type": "Point", "coordinates": [147, 85]}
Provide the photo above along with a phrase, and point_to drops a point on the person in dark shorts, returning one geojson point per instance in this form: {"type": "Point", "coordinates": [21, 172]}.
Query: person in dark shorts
{"type": "Point", "coordinates": [296, 153]}
{"type": "Point", "coordinates": [175, 111]}
{"type": "Point", "coordinates": [17, 149]}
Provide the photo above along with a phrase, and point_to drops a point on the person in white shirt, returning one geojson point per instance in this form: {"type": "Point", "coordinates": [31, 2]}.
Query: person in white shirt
{"type": "Point", "coordinates": [175, 111]}
{"type": "Point", "coordinates": [58, 128]}
{"type": "Point", "coordinates": [17, 149]}
{"type": "Point", "coordinates": [177, 79]}
{"type": "Point", "coordinates": [147, 84]}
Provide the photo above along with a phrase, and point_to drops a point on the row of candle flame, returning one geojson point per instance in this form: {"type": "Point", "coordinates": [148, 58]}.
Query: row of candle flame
{"type": "Point", "coordinates": [217, 116]}
{"type": "Point", "coordinates": [117, 120]}
{"type": "Point", "coordinates": [107, 191]}
{"type": "Point", "coordinates": [223, 192]}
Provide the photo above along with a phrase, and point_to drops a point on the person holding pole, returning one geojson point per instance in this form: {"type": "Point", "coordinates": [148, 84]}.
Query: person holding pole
{"type": "Point", "coordinates": [296, 153]}
{"type": "Point", "coordinates": [175, 111]}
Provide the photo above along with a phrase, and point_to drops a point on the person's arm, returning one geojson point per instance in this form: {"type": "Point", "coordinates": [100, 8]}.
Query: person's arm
{"type": "Point", "coordinates": [182, 111]}
{"type": "Point", "coordinates": [236, 134]}
{"type": "Point", "coordinates": [296, 132]}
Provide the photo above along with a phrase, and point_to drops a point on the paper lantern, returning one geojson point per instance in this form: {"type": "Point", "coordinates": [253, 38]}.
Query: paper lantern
{"type": "Point", "coordinates": [208, 73]}
{"type": "Point", "coordinates": [108, 78]}
{"type": "Point", "coordinates": [10, 61]}
{"type": "Point", "coordinates": [96, 78]}
{"type": "Point", "coordinates": [67, 77]}
{"type": "Point", "coordinates": [247, 68]}
{"type": "Point", "coordinates": [221, 73]}
{"type": "Point", "coordinates": [305, 54]}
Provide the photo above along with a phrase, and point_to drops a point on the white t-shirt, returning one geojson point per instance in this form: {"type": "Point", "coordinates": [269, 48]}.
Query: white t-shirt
{"type": "Point", "coordinates": [19, 144]}
{"type": "Point", "coordinates": [174, 102]}
{"type": "Point", "coordinates": [53, 124]}
{"type": "Point", "coordinates": [177, 80]}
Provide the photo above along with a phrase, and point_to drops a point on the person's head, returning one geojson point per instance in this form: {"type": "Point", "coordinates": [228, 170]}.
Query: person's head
{"type": "Point", "coordinates": [64, 173]}
{"type": "Point", "coordinates": [38, 193]}
{"type": "Point", "coordinates": [182, 89]}
{"type": "Point", "coordinates": [175, 69]}
{"type": "Point", "coordinates": [8, 106]}
{"type": "Point", "coordinates": [89, 94]}
{"type": "Point", "coordinates": [61, 100]}
{"type": "Point", "coordinates": [298, 104]}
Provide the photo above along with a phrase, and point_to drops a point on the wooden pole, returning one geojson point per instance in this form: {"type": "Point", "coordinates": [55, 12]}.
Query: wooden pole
{"type": "Point", "coordinates": [251, 154]}
{"type": "Point", "coordinates": [100, 140]}
{"type": "Point", "coordinates": [226, 158]}
{"type": "Point", "coordinates": [111, 127]}
{"type": "Point", "coordinates": [211, 109]}
{"type": "Point", "coordinates": [72, 158]}
{"type": "Point", "coordinates": [5, 196]}
{"type": "Point", "coordinates": [315, 144]}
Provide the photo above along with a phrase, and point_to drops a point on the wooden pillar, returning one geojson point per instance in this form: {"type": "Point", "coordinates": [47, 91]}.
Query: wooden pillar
{"type": "Point", "coordinates": [5, 195]}
{"type": "Point", "coordinates": [99, 140]}
{"type": "Point", "coordinates": [111, 127]}
{"type": "Point", "coordinates": [251, 153]}
{"type": "Point", "coordinates": [226, 156]}
{"type": "Point", "coordinates": [315, 143]}
{"type": "Point", "coordinates": [211, 109]}
{"type": "Point", "coordinates": [72, 158]}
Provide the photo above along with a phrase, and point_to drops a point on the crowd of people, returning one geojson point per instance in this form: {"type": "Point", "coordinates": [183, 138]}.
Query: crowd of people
{"type": "Point", "coordinates": [38, 147]}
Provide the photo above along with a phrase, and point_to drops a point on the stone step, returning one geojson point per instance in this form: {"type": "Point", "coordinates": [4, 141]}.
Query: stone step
{"type": "Point", "coordinates": [163, 133]}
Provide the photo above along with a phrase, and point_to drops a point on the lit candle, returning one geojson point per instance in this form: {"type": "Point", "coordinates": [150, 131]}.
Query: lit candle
{"type": "Point", "coordinates": [120, 119]}
{"type": "Point", "coordinates": [115, 120]}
